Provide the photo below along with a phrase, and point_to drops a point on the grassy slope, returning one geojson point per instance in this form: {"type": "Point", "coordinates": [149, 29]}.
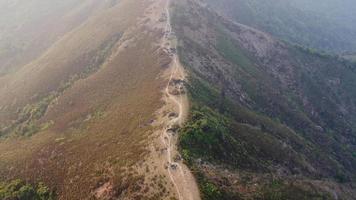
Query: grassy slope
{"type": "Point", "coordinates": [97, 103]}
{"type": "Point", "coordinates": [273, 130]}
{"type": "Point", "coordinates": [46, 23]}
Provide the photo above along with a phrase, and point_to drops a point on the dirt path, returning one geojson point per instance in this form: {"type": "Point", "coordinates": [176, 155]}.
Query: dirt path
{"type": "Point", "coordinates": [177, 104]}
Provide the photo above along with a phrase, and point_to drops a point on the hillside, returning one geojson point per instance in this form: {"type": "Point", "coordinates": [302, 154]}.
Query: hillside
{"type": "Point", "coordinates": [80, 114]}
{"type": "Point", "coordinates": [173, 100]}
{"type": "Point", "coordinates": [269, 120]}
{"type": "Point", "coordinates": [29, 28]}
{"type": "Point", "coordinates": [324, 25]}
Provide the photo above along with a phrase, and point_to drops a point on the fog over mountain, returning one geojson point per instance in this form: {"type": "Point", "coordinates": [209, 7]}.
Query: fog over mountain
{"type": "Point", "coordinates": [28, 28]}
{"type": "Point", "coordinates": [325, 25]}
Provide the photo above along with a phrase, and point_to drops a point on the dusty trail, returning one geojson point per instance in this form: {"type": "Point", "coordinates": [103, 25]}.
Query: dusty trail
{"type": "Point", "coordinates": [181, 177]}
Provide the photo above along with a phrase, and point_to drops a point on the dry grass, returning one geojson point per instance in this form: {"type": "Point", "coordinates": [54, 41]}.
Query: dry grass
{"type": "Point", "coordinates": [101, 127]}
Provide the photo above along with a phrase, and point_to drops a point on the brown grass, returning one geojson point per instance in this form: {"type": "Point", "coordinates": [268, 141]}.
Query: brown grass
{"type": "Point", "coordinates": [101, 123]}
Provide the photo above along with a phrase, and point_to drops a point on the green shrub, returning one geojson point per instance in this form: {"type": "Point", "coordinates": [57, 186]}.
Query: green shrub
{"type": "Point", "coordinates": [19, 190]}
{"type": "Point", "coordinates": [205, 134]}
{"type": "Point", "coordinates": [44, 193]}
{"type": "Point", "coordinates": [211, 192]}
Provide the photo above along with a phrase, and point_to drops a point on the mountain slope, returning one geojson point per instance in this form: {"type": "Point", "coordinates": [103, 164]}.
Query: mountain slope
{"type": "Point", "coordinates": [323, 25]}
{"type": "Point", "coordinates": [28, 28]}
{"type": "Point", "coordinates": [275, 114]}
{"type": "Point", "coordinates": [83, 116]}
{"type": "Point", "coordinates": [121, 97]}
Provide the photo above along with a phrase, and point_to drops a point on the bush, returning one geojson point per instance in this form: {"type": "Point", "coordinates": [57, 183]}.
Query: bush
{"type": "Point", "coordinates": [205, 135]}
{"type": "Point", "coordinates": [19, 190]}
{"type": "Point", "coordinates": [211, 192]}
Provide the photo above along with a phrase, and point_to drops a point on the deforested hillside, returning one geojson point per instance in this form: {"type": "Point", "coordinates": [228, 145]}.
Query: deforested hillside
{"type": "Point", "coordinates": [326, 25]}
{"type": "Point", "coordinates": [269, 120]}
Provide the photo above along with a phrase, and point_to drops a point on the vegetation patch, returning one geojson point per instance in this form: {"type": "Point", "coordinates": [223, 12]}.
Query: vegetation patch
{"type": "Point", "coordinates": [211, 191]}
{"type": "Point", "coordinates": [233, 53]}
{"type": "Point", "coordinates": [279, 190]}
{"type": "Point", "coordinates": [20, 190]}
{"type": "Point", "coordinates": [205, 134]}
{"type": "Point", "coordinates": [27, 121]}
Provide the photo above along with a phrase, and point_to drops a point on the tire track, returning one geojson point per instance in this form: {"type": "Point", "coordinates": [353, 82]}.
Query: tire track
{"type": "Point", "coordinates": [176, 171]}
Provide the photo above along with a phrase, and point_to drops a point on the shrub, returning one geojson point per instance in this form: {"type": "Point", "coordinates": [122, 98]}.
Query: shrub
{"type": "Point", "coordinates": [19, 190]}
{"type": "Point", "coordinates": [211, 192]}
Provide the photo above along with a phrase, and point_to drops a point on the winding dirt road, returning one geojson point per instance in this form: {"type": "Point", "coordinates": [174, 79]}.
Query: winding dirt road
{"type": "Point", "coordinates": [181, 177]}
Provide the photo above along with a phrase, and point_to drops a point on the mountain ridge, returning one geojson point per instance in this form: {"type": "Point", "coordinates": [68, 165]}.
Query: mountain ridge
{"type": "Point", "coordinates": [137, 99]}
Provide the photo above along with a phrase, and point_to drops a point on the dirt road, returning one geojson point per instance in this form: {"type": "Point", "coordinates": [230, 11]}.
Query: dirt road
{"type": "Point", "coordinates": [181, 177]}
